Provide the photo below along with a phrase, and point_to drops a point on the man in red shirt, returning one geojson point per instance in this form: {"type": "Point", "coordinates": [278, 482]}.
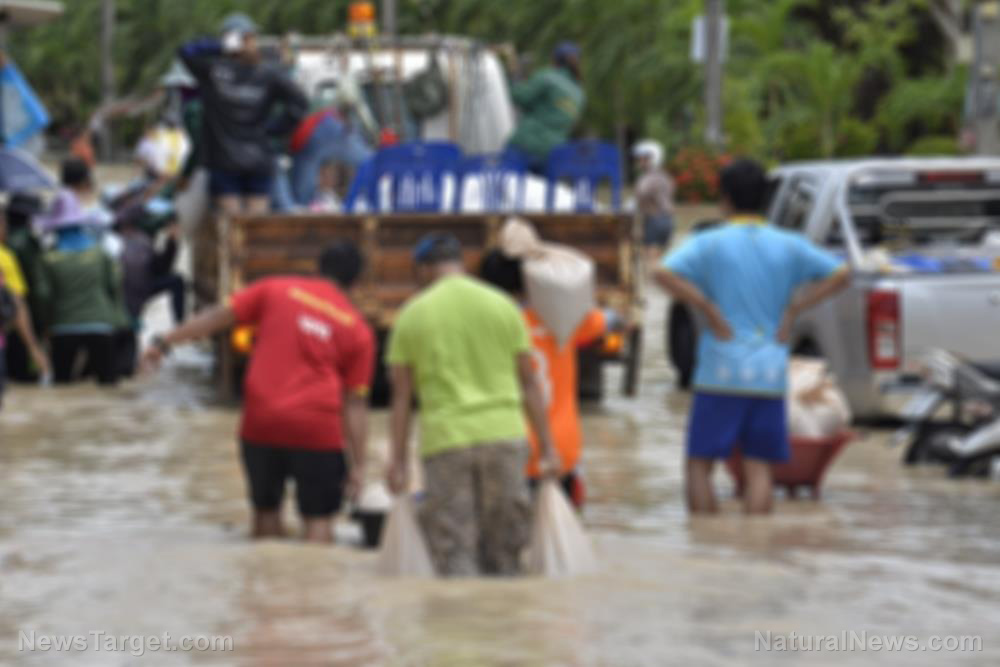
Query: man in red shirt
{"type": "Point", "coordinates": [305, 392]}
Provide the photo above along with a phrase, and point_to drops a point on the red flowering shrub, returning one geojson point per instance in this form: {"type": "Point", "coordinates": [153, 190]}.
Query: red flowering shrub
{"type": "Point", "coordinates": [696, 173]}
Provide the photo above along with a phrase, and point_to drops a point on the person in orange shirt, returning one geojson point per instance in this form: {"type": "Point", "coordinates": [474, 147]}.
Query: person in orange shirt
{"type": "Point", "coordinates": [557, 372]}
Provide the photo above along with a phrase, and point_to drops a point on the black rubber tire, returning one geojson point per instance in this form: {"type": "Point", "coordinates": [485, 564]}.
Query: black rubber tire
{"type": "Point", "coordinates": [681, 342]}
{"type": "Point", "coordinates": [590, 375]}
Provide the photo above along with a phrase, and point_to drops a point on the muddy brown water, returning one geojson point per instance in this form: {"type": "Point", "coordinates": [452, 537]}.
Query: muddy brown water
{"type": "Point", "coordinates": [123, 511]}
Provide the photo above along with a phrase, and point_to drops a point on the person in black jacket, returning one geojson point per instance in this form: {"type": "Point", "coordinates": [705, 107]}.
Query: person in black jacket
{"type": "Point", "coordinates": [241, 96]}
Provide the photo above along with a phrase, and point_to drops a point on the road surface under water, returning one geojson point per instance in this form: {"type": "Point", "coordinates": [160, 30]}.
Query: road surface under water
{"type": "Point", "coordinates": [123, 511]}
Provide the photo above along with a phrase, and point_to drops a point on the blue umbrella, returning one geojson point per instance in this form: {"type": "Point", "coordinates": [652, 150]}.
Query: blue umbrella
{"type": "Point", "coordinates": [20, 171]}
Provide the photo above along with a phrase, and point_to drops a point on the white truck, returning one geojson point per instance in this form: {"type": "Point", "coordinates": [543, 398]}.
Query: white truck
{"type": "Point", "coordinates": [922, 240]}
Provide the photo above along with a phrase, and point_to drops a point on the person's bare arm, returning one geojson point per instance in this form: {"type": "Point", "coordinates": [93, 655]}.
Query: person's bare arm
{"type": "Point", "coordinates": [356, 430]}
{"type": "Point", "coordinates": [811, 296]}
{"type": "Point", "coordinates": [684, 290]}
{"type": "Point", "coordinates": [24, 328]}
{"type": "Point", "coordinates": [402, 419]}
{"type": "Point", "coordinates": [534, 408]}
{"type": "Point", "coordinates": [202, 325]}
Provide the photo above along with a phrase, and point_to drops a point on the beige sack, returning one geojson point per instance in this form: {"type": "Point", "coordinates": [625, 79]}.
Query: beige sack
{"type": "Point", "coordinates": [559, 547]}
{"type": "Point", "coordinates": [817, 408]}
{"type": "Point", "coordinates": [558, 279]}
{"type": "Point", "coordinates": [403, 552]}
{"type": "Point", "coordinates": [519, 239]}
{"type": "Point", "coordinates": [560, 287]}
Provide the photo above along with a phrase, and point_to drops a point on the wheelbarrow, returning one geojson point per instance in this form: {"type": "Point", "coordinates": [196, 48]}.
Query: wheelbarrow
{"type": "Point", "coordinates": [811, 457]}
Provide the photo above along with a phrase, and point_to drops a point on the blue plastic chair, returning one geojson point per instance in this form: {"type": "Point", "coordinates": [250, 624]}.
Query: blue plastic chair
{"type": "Point", "coordinates": [364, 186]}
{"type": "Point", "coordinates": [494, 171]}
{"type": "Point", "coordinates": [416, 172]}
{"type": "Point", "coordinates": [585, 164]}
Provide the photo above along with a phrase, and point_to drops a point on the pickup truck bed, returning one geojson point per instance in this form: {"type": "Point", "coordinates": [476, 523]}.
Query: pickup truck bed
{"type": "Point", "coordinates": [271, 245]}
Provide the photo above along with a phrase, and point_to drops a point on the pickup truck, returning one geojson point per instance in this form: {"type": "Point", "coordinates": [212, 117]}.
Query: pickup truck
{"type": "Point", "coordinates": [478, 117]}
{"type": "Point", "coordinates": [922, 240]}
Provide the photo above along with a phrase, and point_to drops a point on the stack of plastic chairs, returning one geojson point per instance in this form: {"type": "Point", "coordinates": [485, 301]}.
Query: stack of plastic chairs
{"type": "Point", "coordinates": [495, 173]}
{"type": "Point", "coordinates": [416, 173]}
{"type": "Point", "coordinates": [585, 165]}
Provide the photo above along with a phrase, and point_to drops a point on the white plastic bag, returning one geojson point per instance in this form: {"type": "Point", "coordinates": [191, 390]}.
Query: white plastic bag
{"type": "Point", "coordinates": [816, 406]}
{"type": "Point", "coordinates": [560, 287]}
{"type": "Point", "coordinates": [403, 552]}
{"type": "Point", "coordinates": [559, 547]}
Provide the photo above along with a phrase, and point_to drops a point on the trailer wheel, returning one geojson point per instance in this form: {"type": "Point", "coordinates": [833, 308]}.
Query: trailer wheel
{"type": "Point", "coordinates": [590, 375]}
{"type": "Point", "coordinates": [681, 343]}
{"type": "Point", "coordinates": [630, 380]}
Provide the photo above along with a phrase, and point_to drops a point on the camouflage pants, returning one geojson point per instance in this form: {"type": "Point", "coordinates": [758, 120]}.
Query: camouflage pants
{"type": "Point", "coordinates": [476, 512]}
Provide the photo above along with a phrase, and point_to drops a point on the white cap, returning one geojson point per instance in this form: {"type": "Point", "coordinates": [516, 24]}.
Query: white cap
{"type": "Point", "coordinates": [651, 149]}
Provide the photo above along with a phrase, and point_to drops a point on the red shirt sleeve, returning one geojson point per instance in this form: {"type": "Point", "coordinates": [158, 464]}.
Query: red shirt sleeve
{"type": "Point", "coordinates": [358, 364]}
{"type": "Point", "coordinates": [592, 328]}
{"type": "Point", "coordinates": [248, 304]}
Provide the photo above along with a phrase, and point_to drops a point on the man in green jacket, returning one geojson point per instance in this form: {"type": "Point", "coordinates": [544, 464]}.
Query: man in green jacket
{"type": "Point", "coordinates": [550, 103]}
{"type": "Point", "coordinates": [82, 288]}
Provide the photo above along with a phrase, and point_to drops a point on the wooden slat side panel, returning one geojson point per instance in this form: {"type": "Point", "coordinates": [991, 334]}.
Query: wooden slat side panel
{"type": "Point", "coordinates": [292, 244]}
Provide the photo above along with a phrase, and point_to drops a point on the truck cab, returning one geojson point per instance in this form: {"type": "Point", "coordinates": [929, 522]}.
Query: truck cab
{"type": "Point", "coordinates": [477, 113]}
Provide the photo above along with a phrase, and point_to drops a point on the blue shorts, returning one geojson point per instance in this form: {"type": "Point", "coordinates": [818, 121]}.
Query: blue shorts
{"type": "Point", "coordinates": [223, 182]}
{"type": "Point", "coordinates": [719, 422]}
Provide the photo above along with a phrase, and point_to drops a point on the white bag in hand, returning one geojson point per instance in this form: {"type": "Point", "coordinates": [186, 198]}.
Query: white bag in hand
{"type": "Point", "coordinates": [559, 547]}
{"type": "Point", "coordinates": [403, 552]}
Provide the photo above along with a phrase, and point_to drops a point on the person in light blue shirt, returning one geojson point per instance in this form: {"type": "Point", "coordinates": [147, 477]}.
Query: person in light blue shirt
{"type": "Point", "coordinates": [744, 278]}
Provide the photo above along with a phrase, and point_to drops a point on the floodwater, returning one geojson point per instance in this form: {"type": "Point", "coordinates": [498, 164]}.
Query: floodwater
{"type": "Point", "coordinates": [123, 511]}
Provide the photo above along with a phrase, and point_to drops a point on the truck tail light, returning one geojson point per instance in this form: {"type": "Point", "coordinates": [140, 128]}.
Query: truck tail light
{"type": "Point", "coordinates": [883, 329]}
{"type": "Point", "coordinates": [241, 339]}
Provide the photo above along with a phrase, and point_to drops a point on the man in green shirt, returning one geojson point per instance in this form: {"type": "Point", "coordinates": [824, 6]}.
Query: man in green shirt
{"type": "Point", "coordinates": [550, 103]}
{"type": "Point", "coordinates": [464, 349]}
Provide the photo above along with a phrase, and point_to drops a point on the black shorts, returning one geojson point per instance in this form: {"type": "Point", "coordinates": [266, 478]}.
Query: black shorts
{"type": "Point", "coordinates": [319, 477]}
{"type": "Point", "coordinates": [222, 182]}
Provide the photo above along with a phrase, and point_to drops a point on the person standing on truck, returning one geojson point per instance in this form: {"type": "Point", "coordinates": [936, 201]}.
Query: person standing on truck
{"type": "Point", "coordinates": [464, 349]}
{"type": "Point", "coordinates": [325, 136]}
{"type": "Point", "coordinates": [241, 95]}
{"type": "Point", "coordinates": [744, 279]}
{"type": "Point", "coordinates": [550, 102]}
{"type": "Point", "coordinates": [654, 194]}
{"type": "Point", "coordinates": [556, 366]}
{"type": "Point", "coordinates": [305, 395]}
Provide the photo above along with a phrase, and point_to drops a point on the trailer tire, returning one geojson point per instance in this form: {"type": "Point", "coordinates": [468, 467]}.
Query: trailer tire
{"type": "Point", "coordinates": [590, 375]}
